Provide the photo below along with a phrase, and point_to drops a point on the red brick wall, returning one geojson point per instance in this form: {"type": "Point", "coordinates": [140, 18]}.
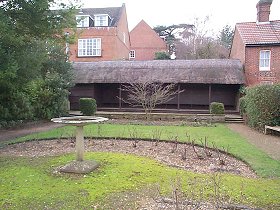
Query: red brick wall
{"type": "Point", "coordinates": [108, 46]}
{"type": "Point", "coordinates": [253, 75]}
{"type": "Point", "coordinates": [123, 39]}
{"type": "Point", "coordinates": [238, 49]}
{"type": "Point", "coordinates": [112, 42]}
{"type": "Point", "coordinates": [146, 42]}
{"type": "Point", "coordinates": [263, 12]}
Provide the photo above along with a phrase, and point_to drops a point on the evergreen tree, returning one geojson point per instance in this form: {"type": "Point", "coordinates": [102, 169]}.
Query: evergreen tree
{"type": "Point", "coordinates": [33, 63]}
{"type": "Point", "coordinates": [226, 36]}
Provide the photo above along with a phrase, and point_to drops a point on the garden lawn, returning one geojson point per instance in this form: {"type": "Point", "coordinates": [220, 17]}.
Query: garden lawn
{"type": "Point", "coordinates": [30, 183]}
{"type": "Point", "coordinates": [219, 134]}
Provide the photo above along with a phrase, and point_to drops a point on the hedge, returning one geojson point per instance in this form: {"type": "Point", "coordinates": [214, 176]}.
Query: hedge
{"type": "Point", "coordinates": [88, 106]}
{"type": "Point", "coordinates": [263, 105]}
{"type": "Point", "coordinates": [217, 108]}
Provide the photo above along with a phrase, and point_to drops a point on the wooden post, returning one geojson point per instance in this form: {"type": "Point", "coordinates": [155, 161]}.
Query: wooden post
{"type": "Point", "coordinates": [209, 95]}
{"type": "Point", "coordinates": [80, 144]}
{"type": "Point", "coordinates": [120, 96]}
{"type": "Point", "coordinates": [237, 108]}
{"type": "Point", "coordinates": [178, 101]}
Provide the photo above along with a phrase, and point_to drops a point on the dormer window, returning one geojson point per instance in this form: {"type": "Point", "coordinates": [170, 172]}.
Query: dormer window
{"type": "Point", "coordinates": [82, 20]}
{"type": "Point", "coordinates": [101, 20]}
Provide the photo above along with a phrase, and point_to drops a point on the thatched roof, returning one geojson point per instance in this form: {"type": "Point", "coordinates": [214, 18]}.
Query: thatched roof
{"type": "Point", "coordinates": [212, 71]}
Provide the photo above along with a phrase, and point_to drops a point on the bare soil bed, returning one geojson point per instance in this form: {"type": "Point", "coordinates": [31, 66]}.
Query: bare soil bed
{"type": "Point", "coordinates": [188, 157]}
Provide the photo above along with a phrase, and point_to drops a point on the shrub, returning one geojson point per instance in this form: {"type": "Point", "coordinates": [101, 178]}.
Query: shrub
{"type": "Point", "coordinates": [16, 107]}
{"type": "Point", "coordinates": [88, 106]}
{"type": "Point", "coordinates": [262, 105]}
{"type": "Point", "coordinates": [242, 105]}
{"type": "Point", "coordinates": [48, 97]}
{"type": "Point", "coordinates": [162, 56]}
{"type": "Point", "coordinates": [217, 108]}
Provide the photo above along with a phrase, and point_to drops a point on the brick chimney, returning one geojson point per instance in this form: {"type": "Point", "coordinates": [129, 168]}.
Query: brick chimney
{"type": "Point", "coordinates": [263, 9]}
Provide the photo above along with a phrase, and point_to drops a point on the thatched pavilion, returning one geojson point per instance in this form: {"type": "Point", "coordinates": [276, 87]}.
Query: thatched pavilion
{"type": "Point", "coordinates": [203, 81]}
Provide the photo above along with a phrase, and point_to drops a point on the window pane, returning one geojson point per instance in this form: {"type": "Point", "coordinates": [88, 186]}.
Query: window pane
{"type": "Point", "coordinates": [98, 43]}
{"type": "Point", "coordinates": [101, 20]}
{"type": "Point", "coordinates": [267, 53]}
{"type": "Point", "coordinates": [89, 47]}
{"type": "Point", "coordinates": [82, 21]}
{"type": "Point", "coordinates": [261, 63]}
{"type": "Point", "coordinates": [264, 63]}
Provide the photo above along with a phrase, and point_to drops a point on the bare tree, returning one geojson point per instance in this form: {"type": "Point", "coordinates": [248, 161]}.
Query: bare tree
{"type": "Point", "coordinates": [148, 94]}
{"type": "Point", "coordinates": [199, 42]}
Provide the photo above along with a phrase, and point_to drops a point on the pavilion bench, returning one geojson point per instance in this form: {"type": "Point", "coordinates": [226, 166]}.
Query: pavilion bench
{"type": "Point", "coordinates": [274, 128]}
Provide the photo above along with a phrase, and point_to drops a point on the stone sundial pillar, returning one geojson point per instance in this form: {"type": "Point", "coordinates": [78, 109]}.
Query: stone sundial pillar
{"type": "Point", "coordinates": [80, 144]}
{"type": "Point", "coordinates": [79, 166]}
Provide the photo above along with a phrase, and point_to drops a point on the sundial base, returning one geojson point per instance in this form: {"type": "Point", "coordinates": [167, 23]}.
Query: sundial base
{"type": "Point", "coordinates": [80, 167]}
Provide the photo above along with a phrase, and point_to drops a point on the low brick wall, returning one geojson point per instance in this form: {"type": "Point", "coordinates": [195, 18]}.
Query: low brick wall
{"type": "Point", "coordinates": [166, 117]}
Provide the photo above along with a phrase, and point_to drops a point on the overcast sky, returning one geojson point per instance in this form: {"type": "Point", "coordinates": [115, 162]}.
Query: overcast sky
{"type": "Point", "coordinates": [168, 12]}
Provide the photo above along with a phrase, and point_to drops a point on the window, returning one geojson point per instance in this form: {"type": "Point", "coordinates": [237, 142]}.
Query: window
{"type": "Point", "coordinates": [101, 20]}
{"type": "Point", "coordinates": [132, 54]}
{"type": "Point", "coordinates": [264, 60]}
{"type": "Point", "coordinates": [89, 47]}
{"type": "Point", "coordinates": [82, 20]}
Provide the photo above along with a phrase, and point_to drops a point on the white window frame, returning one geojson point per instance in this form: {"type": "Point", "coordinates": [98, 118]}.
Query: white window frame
{"type": "Point", "coordinates": [82, 21]}
{"type": "Point", "coordinates": [101, 20]}
{"type": "Point", "coordinates": [132, 54]}
{"type": "Point", "coordinates": [89, 47]}
{"type": "Point", "coordinates": [264, 62]}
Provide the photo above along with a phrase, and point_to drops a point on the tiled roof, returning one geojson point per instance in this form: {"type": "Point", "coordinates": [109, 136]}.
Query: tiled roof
{"type": "Point", "coordinates": [113, 12]}
{"type": "Point", "coordinates": [259, 33]}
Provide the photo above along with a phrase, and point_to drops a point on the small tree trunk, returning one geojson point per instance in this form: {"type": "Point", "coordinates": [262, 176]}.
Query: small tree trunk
{"type": "Point", "coordinates": [148, 114]}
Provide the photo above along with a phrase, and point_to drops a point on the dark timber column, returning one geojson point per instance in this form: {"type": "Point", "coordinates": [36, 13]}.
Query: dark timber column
{"type": "Point", "coordinates": [210, 94]}
{"type": "Point", "coordinates": [178, 101]}
{"type": "Point", "coordinates": [120, 96]}
{"type": "Point", "coordinates": [237, 108]}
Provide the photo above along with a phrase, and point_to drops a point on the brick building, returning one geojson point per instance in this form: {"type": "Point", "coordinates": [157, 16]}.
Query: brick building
{"type": "Point", "coordinates": [145, 42]}
{"type": "Point", "coordinates": [102, 35]}
{"type": "Point", "coordinates": [257, 45]}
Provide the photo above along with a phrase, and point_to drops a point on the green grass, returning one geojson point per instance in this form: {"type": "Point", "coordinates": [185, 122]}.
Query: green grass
{"type": "Point", "coordinates": [28, 183]}
{"type": "Point", "coordinates": [219, 134]}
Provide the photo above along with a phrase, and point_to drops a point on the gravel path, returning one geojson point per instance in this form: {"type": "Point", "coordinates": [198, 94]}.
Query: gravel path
{"type": "Point", "coordinates": [267, 143]}
{"type": "Point", "coordinates": [28, 128]}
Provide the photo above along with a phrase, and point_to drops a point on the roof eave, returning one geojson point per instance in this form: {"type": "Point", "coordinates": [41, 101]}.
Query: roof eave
{"type": "Point", "coordinates": [261, 44]}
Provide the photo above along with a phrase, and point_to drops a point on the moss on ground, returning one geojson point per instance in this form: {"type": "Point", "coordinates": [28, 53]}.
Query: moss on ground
{"type": "Point", "coordinates": [30, 183]}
